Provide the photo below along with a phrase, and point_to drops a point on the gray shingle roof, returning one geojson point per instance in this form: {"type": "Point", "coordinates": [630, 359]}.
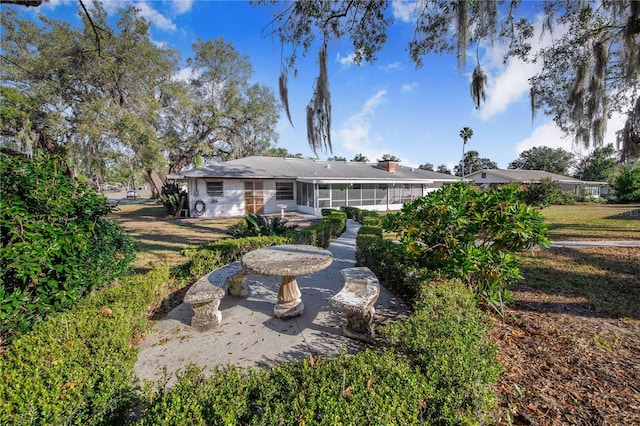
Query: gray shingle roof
{"type": "Point", "coordinates": [524, 176]}
{"type": "Point", "coordinates": [307, 169]}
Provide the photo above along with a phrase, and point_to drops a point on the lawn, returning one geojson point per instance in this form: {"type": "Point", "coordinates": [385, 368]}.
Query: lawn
{"type": "Point", "coordinates": [592, 221]}
{"type": "Point", "coordinates": [570, 344]}
{"type": "Point", "coordinates": [160, 238]}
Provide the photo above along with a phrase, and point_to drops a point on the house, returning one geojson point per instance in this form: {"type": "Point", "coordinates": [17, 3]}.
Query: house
{"type": "Point", "coordinates": [496, 177]}
{"type": "Point", "coordinates": [268, 185]}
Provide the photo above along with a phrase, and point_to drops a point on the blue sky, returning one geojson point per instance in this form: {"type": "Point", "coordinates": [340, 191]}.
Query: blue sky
{"type": "Point", "coordinates": [388, 107]}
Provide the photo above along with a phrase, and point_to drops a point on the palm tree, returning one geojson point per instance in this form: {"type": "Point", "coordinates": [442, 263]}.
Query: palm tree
{"type": "Point", "coordinates": [465, 134]}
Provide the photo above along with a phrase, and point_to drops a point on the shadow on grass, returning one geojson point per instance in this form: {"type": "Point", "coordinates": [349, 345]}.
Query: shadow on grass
{"type": "Point", "coordinates": [628, 215]}
{"type": "Point", "coordinates": [614, 231]}
{"type": "Point", "coordinates": [608, 278]}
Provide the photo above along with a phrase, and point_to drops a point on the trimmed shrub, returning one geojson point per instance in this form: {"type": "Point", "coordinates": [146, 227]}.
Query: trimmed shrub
{"type": "Point", "coordinates": [259, 225]}
{"type": "Point", "coordinates": [77, 366]}
{"type": "Point", "coordinates": [370, 230]}
{"type": "Point", "coordinates": [338, 221]}
{"type": "Point", "coordinates": [447, 340]}
{"type": "Point", "coordinates": [367, 388]}
{"type": "Point", "coordinates": [57, 244]}
{"type": "Point", "coordinates": [208, 257]}
{"type": "Point", "coordinates": [371, 220]}
{"type": "Point", "coordinates": [469, 234]}
{"type": "Point", "coordinates": [352, 212]}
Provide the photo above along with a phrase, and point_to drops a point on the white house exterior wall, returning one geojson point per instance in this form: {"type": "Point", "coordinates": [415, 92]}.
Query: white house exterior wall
{"type": "Point", "coordinates": [270, 202]}
{"type": "Point", "coordinates": [229, 205]}
{"type": "Point", "coordinates": [232, 204]}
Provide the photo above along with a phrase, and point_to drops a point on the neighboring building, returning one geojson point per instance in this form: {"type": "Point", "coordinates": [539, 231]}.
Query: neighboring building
{"type": "Point", "coordinates": [263, 185]}
{"type": "Point", "coordinates": [496, 177]}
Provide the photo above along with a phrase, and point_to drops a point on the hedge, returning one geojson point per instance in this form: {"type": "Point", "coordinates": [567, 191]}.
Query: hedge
{"type": "Point", "coordinates": [77, 366]}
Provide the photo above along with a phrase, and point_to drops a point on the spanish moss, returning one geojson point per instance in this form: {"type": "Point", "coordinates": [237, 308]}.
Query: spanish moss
{"type": "Point", "coordinates": [284, 94]}
{"type": "Point", "coordinates": [319, 109]}
{"type": "Point", "coordinates": [478, 86]}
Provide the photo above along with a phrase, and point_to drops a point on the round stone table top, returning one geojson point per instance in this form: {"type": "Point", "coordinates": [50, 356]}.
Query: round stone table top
{"type": "Point", "coordinates": [287, 260]}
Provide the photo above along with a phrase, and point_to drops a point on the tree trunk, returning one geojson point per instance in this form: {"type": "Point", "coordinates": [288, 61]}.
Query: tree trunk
{"type": "Point", "coordinates": [155, 179]}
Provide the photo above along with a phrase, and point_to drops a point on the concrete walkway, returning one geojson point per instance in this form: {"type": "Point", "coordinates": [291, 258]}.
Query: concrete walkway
{"type": "Point", "coordinates": [595, 244]}
{"type": "Point", "coordinates": [250, 335]}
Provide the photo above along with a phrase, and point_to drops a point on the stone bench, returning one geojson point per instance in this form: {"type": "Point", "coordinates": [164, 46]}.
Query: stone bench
{"type": "Point", "coordinates": [205, 294]}
{"type": "Point", "coordinates": [356, 299]}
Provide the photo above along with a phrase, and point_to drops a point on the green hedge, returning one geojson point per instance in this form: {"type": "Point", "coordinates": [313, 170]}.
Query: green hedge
{"type": "Point", "coordinates": [447, 340]}
{"type": "Point", "coordinates": [56, 244]}
{"type": "Point", "coordinates": [77, 366]}
{"type": "Point", "coordinates": [207, 257]}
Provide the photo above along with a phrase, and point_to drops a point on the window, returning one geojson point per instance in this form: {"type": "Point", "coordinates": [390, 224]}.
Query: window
{"type": "Point", "coordinates": [214, 189]}
{"type": "Point", "coordinates": [483, 175]}
{"type": "Point", "coordinates": [284, 190]}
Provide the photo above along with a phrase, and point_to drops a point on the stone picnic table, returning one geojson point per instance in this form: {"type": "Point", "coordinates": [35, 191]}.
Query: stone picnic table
{"type": "Point", "coordinates": [287, 261]}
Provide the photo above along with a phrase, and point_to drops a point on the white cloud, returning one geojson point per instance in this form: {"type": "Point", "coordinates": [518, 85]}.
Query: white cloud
{"type": "Point", "coordinates": [392, 67]}
{"type": "Point", "coordinates": [408, 87]}
{"type": "Point", "coordinates": [404, 10]}
{"type": "Point", "coordinates": [345, 61]}
{"type": "Point", "coordinates": [354, 134]}
{"type": "Point", "coordinates": [508, 87]}
{"type": "Point", "coordinates": [510, 83]}
{"type": "Point", "coordinates": [52, 4]}
{"type": "Point", "coordinates": [155, 17]}
{"type": "Point", "coordinates": [184, 74]}
{"type": "Point", "coordinates": [546, 135]}
{"type": "Point", "coordinates": [550, 135]}
{"type": "Point", "coordinates": [182, 6]}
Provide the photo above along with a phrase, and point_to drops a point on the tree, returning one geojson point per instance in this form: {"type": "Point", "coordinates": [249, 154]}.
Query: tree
{"type": "Point", "coordinates": [336, 158]}
{"type": "Point", "coordinates": [426, 166]}
{"type": "Point", "coordinates": [86, 102]}
{"type": "Point", "coordinates": [465, 134]}
{"type": "Point", "coordinates": [280, 152]}
{"type": "Point", "coordinates": [626, 184]}
{"type": "Point", "coordinates": [118, 101]}
{"type": "Point", "coordinates": [553, 160]}
{"type": "Point", "coordinates": [589, 72]}
{"type": "Point", "coordinates": [442, 168]}
{"type": "Point", "coordinates": [473, 163]}
{"type": "Point", "coordinates": [389, 157]}
{"type": "Point", "coordinates": [598, 165]}
{"type": "Point", "coordinates": [216, 113]}
{"type": "Point", "coordinates": [360, 158]}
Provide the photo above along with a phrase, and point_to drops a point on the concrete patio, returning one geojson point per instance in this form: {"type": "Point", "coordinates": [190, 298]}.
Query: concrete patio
{"type": "Point", "coordinates": [250, 336]}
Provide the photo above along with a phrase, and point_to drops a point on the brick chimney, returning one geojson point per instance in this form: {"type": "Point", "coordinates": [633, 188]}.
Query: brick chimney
{"type": "Point", "coordinates": [389, 166]}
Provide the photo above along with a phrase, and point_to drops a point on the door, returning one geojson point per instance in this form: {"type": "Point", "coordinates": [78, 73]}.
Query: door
{"type": "Point", "coordinates": [253, 198]}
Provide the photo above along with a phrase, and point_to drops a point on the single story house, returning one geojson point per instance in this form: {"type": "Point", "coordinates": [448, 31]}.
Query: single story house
{"type": "Point", "coordinates": [269, 185]}
{"type": "Point", "coordinates": [496, 177]}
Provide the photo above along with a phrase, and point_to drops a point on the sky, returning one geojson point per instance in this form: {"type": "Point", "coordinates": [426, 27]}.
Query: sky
{"type": "Point", "coordinates": [387, 107]}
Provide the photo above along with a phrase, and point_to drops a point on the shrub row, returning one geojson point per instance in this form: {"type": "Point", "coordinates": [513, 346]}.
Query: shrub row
{"type": "Point", "coordinates": [434, 368]}
{"type": "Point", "coordinates": [56, 243]}
{"type": "Point", "coordinates": [207, 257]}
{"type": "Point", "coordinates": [334, 222]}
{"type": "Point", "coordinates": [77, 366]}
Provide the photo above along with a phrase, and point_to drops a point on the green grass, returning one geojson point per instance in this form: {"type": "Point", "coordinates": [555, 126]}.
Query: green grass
{"type": "Point", "coordinates": [591, 221]}
{"type": "Point", "coordinates": [160, 238]}
{"type": "Point", "coordinates": [607, 277]}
